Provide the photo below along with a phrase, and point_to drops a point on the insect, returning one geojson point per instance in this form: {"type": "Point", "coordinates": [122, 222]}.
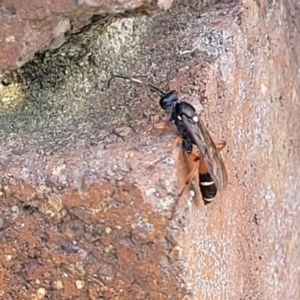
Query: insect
{"type": "Point", "coordinates": [211, 168]}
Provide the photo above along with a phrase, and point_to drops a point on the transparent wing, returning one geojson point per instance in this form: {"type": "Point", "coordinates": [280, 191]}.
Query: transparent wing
{"type": "Point", "coordinates": [208, 151]}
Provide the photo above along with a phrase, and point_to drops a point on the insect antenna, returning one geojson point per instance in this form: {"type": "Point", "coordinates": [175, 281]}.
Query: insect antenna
{"type": "Point", "coordinates": [156, 89]}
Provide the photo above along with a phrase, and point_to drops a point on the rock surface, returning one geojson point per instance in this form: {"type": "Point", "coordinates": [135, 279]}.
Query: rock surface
{"type": "Point", "coordinates": [28, 26]}
{"type": "Point", "coordinates": [87, 182]}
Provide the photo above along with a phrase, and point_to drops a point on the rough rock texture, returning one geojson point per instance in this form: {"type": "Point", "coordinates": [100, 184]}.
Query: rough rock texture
{"type": "Point", "coordinates": [28, 26]}
{"type": "Point", "coordinates": [87, 182]}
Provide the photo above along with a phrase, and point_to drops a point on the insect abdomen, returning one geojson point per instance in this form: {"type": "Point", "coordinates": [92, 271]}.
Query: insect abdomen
{"type": "Point", "coordinates": [207, 187]}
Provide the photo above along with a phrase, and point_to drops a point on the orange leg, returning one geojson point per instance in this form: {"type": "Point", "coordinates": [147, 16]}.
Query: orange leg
{"type": "Point", "coordinates": [192, 157]}
{"type": "Point", "coordinates": [164, 126]}
{"type": "Point", "coordinates": [176, 142]}
{"type": "Point", "coordinates": [220, 144]}
{"type": "Point", "coordinates": [161, 126]}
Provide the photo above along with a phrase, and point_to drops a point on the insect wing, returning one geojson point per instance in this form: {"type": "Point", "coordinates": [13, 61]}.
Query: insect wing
{"type": "Point", "coordinates": [208, 151]}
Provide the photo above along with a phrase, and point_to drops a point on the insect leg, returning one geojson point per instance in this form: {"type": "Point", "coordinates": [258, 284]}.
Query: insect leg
{"type": "Point", "coordinates": [175, 143]}
{"type": "Point", "coordinates": [161, 126]}
{"type": "Point", "coordinates": [220, 144]}
{"type": "Point", "coordinates": [194, 158]}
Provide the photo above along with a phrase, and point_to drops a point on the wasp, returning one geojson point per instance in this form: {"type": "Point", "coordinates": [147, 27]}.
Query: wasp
{"type": "Point", "coordinates": [210, 166]}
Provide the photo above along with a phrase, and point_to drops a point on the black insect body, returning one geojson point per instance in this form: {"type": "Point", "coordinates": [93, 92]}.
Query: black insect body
{"type": "Point", "coordinates": [210, 167]}
{"type": "Point", "coordinates": [207, 187]}
{"type": "Point", "coordinates": [176, 109]}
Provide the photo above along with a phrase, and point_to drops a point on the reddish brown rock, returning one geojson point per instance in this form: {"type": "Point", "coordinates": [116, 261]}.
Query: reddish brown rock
{"type": "Point", "coordinates": [88, 183]}
{"type": "Point", "coordinates": [29, 26]}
